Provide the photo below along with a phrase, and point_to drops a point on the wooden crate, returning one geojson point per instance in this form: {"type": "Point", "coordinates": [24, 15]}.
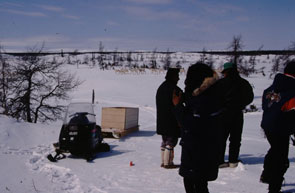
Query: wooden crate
{"type": "Point", "coordinates": [119, 120]}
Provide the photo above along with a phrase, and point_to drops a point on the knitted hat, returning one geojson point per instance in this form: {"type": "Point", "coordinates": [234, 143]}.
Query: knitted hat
{"type": "Point", "coordinates": [290, 68]}
{"type": "Point", "coordinates": [228, 65]}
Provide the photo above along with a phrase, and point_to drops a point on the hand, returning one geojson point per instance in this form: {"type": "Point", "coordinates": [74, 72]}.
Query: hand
{"type": "Point", "coordinates": [176, 97]}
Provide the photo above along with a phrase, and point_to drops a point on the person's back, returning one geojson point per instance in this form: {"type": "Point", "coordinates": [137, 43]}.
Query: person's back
{"type": "Point", "coordinates": [238, 94]}
{"type": "Point", "coordinates": [278, 105]}
{"type": "Point", "coordinates": [166, 121]}
{"type": "Point", "coordinates": [274, 119]}
{"type": "Point", "coordinates": [238, 91]}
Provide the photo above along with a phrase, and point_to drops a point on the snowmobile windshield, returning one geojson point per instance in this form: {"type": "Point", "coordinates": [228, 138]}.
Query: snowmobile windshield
{"type": "Point", "coordinates": [82, 113]}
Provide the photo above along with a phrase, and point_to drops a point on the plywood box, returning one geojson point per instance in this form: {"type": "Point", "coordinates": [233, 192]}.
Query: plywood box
{"type": "Point", "coordinates": [119, 118]}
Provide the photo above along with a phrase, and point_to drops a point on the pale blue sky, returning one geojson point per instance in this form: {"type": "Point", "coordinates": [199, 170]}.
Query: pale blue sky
{"type": "Point", "coordinates": [177, 25]}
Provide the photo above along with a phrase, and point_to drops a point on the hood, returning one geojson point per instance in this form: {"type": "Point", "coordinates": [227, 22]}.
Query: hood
{"type": "Point", "coordinates": [207, 83]}
{"type": "Point", "coordinates": [283, 82]}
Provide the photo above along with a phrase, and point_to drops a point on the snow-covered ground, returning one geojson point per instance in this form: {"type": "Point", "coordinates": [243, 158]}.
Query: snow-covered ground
{"type": "Point", "coordinates": [24, 167]}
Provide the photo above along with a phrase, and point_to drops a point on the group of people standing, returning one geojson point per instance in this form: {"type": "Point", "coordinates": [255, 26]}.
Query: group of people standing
{"type": "Point", "coordinates": [210, 111]}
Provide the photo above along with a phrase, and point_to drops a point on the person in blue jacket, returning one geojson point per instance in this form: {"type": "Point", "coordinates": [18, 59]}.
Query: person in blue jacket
{"type": "Point", "coordinates": [278, 123]}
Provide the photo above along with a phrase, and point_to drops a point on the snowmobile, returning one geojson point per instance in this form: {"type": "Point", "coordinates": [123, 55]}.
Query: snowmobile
{"type": "Point", "coordinates": [79, 134]}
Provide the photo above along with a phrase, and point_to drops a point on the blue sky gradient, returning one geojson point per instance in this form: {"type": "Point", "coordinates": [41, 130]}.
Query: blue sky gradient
{"type": "Point", "coordinates": [129, 25]}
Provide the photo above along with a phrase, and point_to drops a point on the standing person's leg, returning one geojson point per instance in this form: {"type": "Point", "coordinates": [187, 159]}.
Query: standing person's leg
{"type": "Point", "coordinates": [224, 137]}
{"type": "Point", "coordinates": [189, 185]}
{"type": "Point", "coordinates": [236, 130]}
{"type": "Point", "coordinates": [267, 165]}
{"type": "Point", "coordinates": [270, 162]}
{"type": "Point", "coordinates": [225, 122]}
{"type": "Point", "coordinates": [168, 156]}
{"type": "Point", "coordinates": [276, 176]}
{"type": "Point", "coordinates": [279, 161]}
{"type": "Point", "coordinates": [284, 153]}
{"type": "Point", "coordinates": [195, 186]}
{"type": "Point", "coordinates": [170, 143]}
{"type": "Point", "coordinates": [163, 145]}
{"type": "Point", "coordinates": [162, 156]}
{"type": "Point", "coordinates": [202, 186]}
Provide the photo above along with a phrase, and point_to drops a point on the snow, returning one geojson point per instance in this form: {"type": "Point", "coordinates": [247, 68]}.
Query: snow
{"type": "Point", "coordinates": [23, 147]}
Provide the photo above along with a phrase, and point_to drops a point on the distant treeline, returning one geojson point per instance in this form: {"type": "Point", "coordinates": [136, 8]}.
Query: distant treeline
{"type": "Point", "coordinates": [252, 52]}
{"type": "Point", "coordinates": [245, 53]}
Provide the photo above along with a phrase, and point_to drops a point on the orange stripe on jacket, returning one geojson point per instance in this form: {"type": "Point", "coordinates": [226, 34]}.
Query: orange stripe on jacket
{"type": "Point", "coordinates": [289, 105]}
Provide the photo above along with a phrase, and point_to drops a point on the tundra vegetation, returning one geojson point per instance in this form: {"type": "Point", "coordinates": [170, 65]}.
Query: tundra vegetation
{"type": "Point", "coordinates": [33, 84]}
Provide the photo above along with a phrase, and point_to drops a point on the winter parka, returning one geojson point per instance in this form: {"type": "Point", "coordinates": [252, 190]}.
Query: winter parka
{"type": "Point", "coordinates": [274, 119]}
{"type": "Point", "coordinates": [238, 91]}
{"type": "Point", "coordinates": [166, 121]}
{"type": "Point", "coordinates": [199, 118]}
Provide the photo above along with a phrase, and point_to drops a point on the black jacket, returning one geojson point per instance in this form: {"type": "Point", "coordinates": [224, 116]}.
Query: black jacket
{"type": "Point", "coordinates": [200, 120]}
{"type": "Point", "coordinates": [238, 91]}
{"type": "Point", "coordinates": [166, 121]}
{"type": "Point", "coordinates": [274, 97]}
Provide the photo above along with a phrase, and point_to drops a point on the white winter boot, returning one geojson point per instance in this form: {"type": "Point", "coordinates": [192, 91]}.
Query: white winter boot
{"type": "Point", "coordinates": [168, 157]}
{"type": "Point", "coordinates": [162, 156]}
{"type": "Point", "coordinates": [233, 165]}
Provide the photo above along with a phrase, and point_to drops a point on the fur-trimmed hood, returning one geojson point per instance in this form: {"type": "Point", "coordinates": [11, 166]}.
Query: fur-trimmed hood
{"type": "Point", "coordinates": [207, 83]}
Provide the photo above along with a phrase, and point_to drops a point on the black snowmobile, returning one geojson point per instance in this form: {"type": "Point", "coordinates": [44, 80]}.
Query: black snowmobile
{"type": "Point", "coordinates": [79, 134]}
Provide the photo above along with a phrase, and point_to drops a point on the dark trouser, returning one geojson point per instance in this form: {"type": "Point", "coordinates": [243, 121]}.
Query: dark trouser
{"type": "Point", "coordinates": [232, 127]}
{"type": "Point", "coordinates": [195, 186]}
{"type": "Point", "coordinates": [168, 140]}
{"type": "Point", "coordinates": [276, 161]}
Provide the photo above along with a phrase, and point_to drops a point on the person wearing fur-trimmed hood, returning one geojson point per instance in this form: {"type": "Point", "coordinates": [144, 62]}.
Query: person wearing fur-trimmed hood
{"type": "Point", "coordinates": [199, 116]}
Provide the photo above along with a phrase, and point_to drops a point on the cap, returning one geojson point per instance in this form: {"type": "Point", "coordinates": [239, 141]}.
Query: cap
{"type": "Point", "coordinates": [228, 65]}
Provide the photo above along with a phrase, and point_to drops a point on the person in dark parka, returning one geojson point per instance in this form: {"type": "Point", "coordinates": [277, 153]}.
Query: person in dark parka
{"type": "Point", "coordinates": [278, 123]}
{"type": "Point", "coordinates": [238, 94]}
{"type": "Point", "coordinates": [199, 117]}
{"type": "Point", "coordinates": [167, 125]}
